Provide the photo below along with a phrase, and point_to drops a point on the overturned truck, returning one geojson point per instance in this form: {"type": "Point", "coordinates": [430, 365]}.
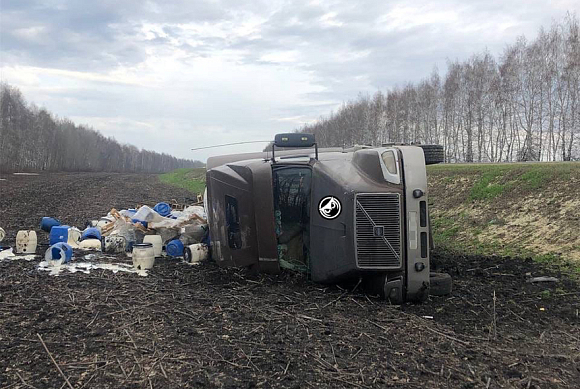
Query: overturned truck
{"type": "Point", "coordinates": [335, 213]}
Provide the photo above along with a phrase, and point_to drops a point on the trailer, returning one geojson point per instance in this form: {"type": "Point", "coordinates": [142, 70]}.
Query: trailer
{"type": "Point", "coordinates": [334, 213]}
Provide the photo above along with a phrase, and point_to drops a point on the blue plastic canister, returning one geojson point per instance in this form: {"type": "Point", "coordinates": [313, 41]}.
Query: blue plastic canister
{"type": "Point", "coordinates": [174, 248]}
{"type": "Point", "coordinates": [91, 233]}
{"type": "Point", "coordinates": [56, 252]}
{"type": "Point", "coordinates": [58, 234]}
{"type": "Point", "coordinates": [48, 222]}
{"type": "Point", "coordinates": [163, 209]}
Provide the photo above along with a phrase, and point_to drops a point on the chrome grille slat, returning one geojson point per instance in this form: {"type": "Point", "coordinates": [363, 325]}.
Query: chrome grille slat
{"type": "Point", "coordinates": [384, 210]}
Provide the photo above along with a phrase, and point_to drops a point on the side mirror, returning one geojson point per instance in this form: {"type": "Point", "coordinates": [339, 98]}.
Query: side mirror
{"type": "Point", "coordinates": [294, 140]}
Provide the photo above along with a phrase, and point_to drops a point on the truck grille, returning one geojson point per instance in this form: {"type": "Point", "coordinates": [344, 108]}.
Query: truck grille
{"type": "Point", "coordinates": [378, 230]}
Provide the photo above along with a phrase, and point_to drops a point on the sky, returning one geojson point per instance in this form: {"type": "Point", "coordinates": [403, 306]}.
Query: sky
{"type": "Point", "coordinates": [170, 76]}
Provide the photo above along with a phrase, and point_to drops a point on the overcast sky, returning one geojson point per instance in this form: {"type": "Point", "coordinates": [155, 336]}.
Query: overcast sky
{"type": "Point", "coordinates": [197, 73]}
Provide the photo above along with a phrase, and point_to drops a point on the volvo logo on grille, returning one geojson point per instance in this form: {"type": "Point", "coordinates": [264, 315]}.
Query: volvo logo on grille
{"type": "Point", "coordinates": [379, 231]}
{"type": "Point", "coordinates": [329, 207]}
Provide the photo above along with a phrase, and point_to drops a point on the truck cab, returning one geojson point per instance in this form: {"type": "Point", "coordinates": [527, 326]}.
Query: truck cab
{"type": "Point", "coordinates": [333, 213]}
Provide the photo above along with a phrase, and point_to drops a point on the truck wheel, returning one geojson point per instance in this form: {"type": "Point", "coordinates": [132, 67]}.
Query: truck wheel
{"type": "Point", "coordinates": [441, 284]}
{"type": "Point", "coordinates": [433, 154]}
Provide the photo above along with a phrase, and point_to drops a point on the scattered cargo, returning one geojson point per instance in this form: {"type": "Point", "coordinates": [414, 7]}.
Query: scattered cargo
{"type": "Point", "coordinates": [143, 256]}
{"type": "Point", "coordinates": [141, 233]}
{"type": "Point", "coordinates": [58, 254]}
{"type": "Point", "coordinates": [26, 242]}
{"type": "Point", "coordinates": [157, 243]}
{"type": "Point", "coordinates": [175, 248]}
{"type": "Point", "coordinates": [195, 253]}
{"type": "Point", "coordinates": [47, 223]}
{"type": "Point", "coordinates": [91, 233]}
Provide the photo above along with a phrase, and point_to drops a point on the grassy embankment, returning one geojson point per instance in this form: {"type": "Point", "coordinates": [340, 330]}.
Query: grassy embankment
{"type": "Point", "coordinates": [524, 209]}
{"type": "Point", "coordinates": [190, 179]}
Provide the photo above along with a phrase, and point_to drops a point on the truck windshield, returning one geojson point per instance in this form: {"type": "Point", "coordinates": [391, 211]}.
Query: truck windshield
{"type": "Point", "coordinates": [292, 213]}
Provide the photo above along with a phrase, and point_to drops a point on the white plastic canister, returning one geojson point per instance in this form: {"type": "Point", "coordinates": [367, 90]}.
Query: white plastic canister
{"type": "Point", "coordinates": [195, 253]}
{"type": "Point", "coordinates": [26, 242]}
{"type": "Point", "coordinates": [157, 243]}
{"type": "Point", "coordinates": [143, 256]}
{"type": "Point", "coordinates": [2, 234]}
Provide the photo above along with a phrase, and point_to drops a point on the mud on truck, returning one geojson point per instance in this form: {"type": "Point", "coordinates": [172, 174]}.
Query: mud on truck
{"type": "Point", "coordinates": [335, 213]}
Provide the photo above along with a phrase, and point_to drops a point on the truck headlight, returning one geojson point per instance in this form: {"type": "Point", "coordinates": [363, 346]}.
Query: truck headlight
{"type": "Point", "coordinates": [390, 162]}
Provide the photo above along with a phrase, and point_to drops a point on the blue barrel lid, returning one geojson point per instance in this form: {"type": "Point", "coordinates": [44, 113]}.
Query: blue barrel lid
{"type": "Point", "coordinates": [162, 208]}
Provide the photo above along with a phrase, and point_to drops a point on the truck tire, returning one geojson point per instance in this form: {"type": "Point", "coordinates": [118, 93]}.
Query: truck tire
{"type": "Point", "coordinates": [433, 154]}
{"type": "Point", "coordinates": [441, 284]}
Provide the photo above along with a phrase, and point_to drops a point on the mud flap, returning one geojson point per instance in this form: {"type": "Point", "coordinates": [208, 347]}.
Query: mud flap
{"type": "Point", "coordinates": [393, 290]}
{"type": "Point", "coordinates": [390, 289]}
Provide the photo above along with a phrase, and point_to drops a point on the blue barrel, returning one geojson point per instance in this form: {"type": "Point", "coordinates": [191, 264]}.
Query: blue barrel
{"type": "Point", "coordinates": [58, 234]}
{"type": "Point", "coordinates": [91, 233]}
{"type": "Point", "coordinates": [163, 209]}
{"type": "Point", "coordinates": [56, 252]}
{"type": "Point", "coordinates": [48, 222]}
{"type": "Point", "coordinates": [174, 248]}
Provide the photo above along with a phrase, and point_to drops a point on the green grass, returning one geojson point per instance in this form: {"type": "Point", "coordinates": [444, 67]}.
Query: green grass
{"type": "Point", "coordinates": [494, 187]}
{"type": "Point", "coordinates": [485, 189]}
{"type": "Point", "coordinates": [535, 179]}
{"type": "Point", "coordinates": [495, 180]}
{"type": "Point", "coordinates": [190, 179]}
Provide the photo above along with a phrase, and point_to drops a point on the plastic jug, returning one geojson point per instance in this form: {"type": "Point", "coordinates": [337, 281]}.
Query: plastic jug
{"type": "Point", "coordinates": [26, 242]}
{"type": "Point", "coordinates": [143, 256]}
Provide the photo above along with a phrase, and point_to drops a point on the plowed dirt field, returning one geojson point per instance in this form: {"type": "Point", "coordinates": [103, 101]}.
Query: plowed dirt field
{"type": "Point", "coordinates": [203, 326]}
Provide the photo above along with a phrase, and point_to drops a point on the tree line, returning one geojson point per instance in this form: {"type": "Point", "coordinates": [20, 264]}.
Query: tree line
{"type": "Point", "coordinates": [32, 139]}
{"type": "Point", "coordinates": [523, 106]}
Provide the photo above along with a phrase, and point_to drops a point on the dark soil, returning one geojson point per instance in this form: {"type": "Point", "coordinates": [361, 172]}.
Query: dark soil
{"type": "Point", "coordinates": [202, 326]}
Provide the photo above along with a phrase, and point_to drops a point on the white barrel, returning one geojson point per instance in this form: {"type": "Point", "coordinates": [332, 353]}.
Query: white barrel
{"type": "Point", "coordinates": [195, 253]}
{"type": "Point", "coordinates": [143, 256]}
{"type": "Point", "coordinates": [157, 243]}
{"type": "Point", "coordinates": [2, 234]}
{"type": "Point", "coordinates": [26, 242]}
